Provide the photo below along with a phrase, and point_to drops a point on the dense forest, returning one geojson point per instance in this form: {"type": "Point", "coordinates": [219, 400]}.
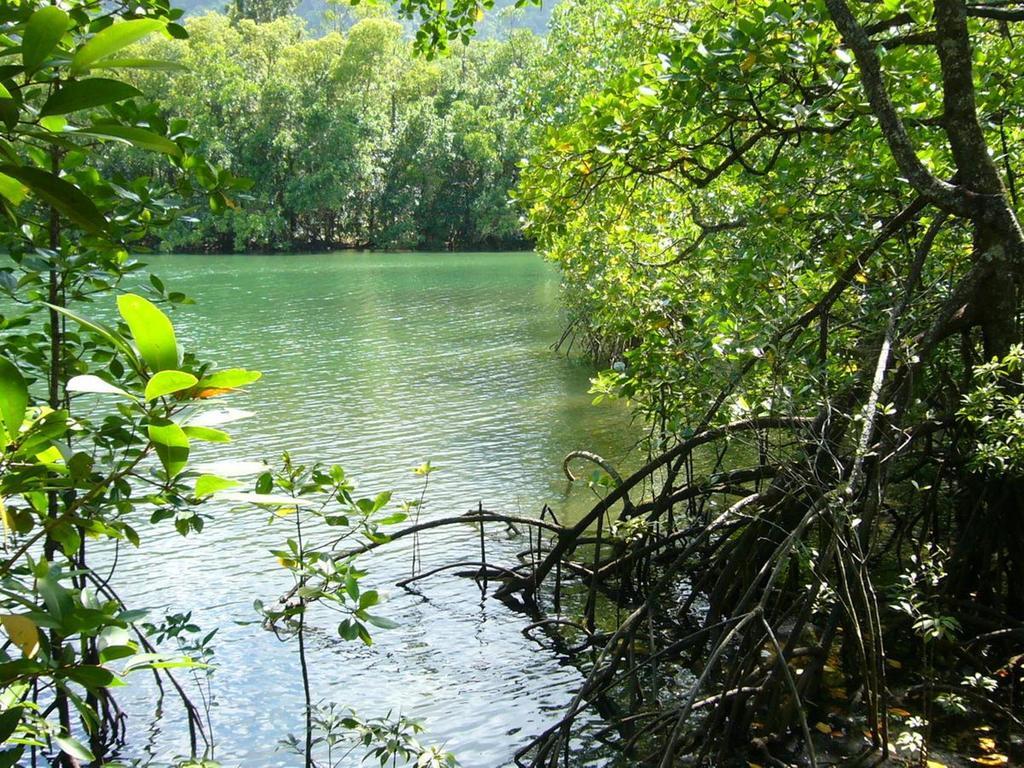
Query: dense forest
{"type": "Point", "coordinates": [332, 16]}
{"type": "Point", "coordinates": [349, 139]}
{"type": "Point", "coordinates": [789, 241]}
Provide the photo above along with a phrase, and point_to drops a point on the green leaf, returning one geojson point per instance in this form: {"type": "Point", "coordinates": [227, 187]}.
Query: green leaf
{"type": "Point", "coordinates": [209, 484]}
{"type": "Point", "coordinates": [91, 676]}
{"type": "Point", "coordinates": [65, 534]}
{"type": "Point", "coordinates": [397, 517]}
{"type": "Point", "coordinates": [12, 189]}
{"type": "Point", "coordinates": [9, 721]}
{"type": "Point", "coordinates": [380, 621]}
{"type": "Point", "coordinates": [152, 331]}
{"type": "Point", "coordinates": [136, 137]}
{"type": "Point", "coordinates": [10, 757]}
{"type": "Point", "coordinates": [74, 748]}
{"type": "Point", "coordinates": [105, 332]}
{"type": "Point", "coordinates": [115, 652]}
{"type": "Point", "coordinates": [93, 384]}
{"type": "Point", "coordinates": [229, 379]}
{"type": "Point", "coordinates": [264, 499]}
{"type": "Point", "coordinates": [209, 434]}
{"type": "Point", "coordinates": [54, 123]}
{"type": "Point", "coordinates": [168, 382]}
{"type": "Point", "coordinates": [111, 40]}
{"type": "Point", "coordinates": [9, 115]}
{"type": "Point", "coordinates": [62, 195]}
{"type": "Point", "coordinates": [13, 397]}
{"type": "Point", "coordinates": [171, 445]}
{"type": "Point", "coordinates": [138, 63]}
{"type": "Point", "coordinates": [363, 634]}
{"type": "Point", "coordinates": [58, 600]}
{"type": "Point", "coordinates": [44, 30]}
{"type": "Point", "coordinates": [85, 94]}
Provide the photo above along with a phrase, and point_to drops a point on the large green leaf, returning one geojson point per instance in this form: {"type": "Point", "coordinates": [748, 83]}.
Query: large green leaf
{"type": "Point", "coordinates": [73, 747]}
{"type": "Point", "coordinates": [111, 40]}
{"type": "Point", "coordinates": [44, 30]}
{"type": "Point", "coordinates": [229, 379]}
{"type": "Point", "coordinates": [85, 94]}
{"type": "Point", "coordinates": [9, 721]}
{"type": "Point", "coordinates": [138, 63]}
{"type": "Point", "coordinates": [152, 331]}
{"type": "Point", "coordinates": [62, 195]}
{"type": "Point", "coordinates": [93, 384]}
{"type": "Point", "coordinates": [10, 113]}
{"type": "Point", "coordinates": [59, 602]}
{"type": "Point", "coordinates": [13, 397]}
{"type": "Point", "coordinates": [136, 137]}
{"type": "Point", "coordinates": [171, 445]}
{"type": "Point", "coordinates": [168, 382]}
{"type": "Point", "coordinates": [264, 499]}
{"type": "Point", "coordinates": [382, 622]}
{"type": "Point", "coordinates": [209, 434]}
{"type": "Point", "coordinates": [12, 189]}
{"type": "Point", "coordinates": [105, 332]}
{"type": "Point", "coordinates": [208, 484]}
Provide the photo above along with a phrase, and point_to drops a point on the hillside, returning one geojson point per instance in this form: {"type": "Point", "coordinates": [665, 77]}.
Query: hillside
{"type": "Point", "coordinates": [324, 15]}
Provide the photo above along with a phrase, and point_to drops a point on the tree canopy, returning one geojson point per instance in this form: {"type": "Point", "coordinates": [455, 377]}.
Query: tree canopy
{"type": "Point", "coordinates": [797, 221]}
{"type": "Point", "coordinates": [350, 140]}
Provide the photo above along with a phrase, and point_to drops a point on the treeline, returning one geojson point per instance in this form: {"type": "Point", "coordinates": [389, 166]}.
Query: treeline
{"type": "Point", "coordinates": [349, 139]}
{"type": "Point", "coordinates": [322, 16]}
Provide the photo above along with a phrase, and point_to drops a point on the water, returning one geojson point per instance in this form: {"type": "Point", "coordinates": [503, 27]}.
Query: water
{"type": "Point", "coordinates": [378, 362]}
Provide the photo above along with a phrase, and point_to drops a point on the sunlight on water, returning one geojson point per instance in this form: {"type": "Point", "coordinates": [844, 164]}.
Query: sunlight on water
{"type": "Point", "coordinates": [378, 362]}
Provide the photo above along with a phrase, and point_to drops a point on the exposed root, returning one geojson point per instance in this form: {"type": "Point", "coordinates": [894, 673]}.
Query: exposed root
{"type": "Point", "coordinates": [707, 616]}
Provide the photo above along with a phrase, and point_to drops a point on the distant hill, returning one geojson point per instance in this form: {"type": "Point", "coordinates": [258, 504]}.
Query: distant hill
{"type": "Point", "coordinates": [322, 15]}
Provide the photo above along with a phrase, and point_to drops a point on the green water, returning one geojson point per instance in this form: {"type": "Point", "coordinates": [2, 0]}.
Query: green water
{"type": "Point", "coordinates": [380, 362]}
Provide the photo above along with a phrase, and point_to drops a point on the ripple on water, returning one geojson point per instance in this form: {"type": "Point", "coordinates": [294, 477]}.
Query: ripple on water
{"type": "Point", "coordinates": [378, 362]}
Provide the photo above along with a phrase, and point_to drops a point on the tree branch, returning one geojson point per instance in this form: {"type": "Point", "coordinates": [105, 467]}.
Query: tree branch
{"type": "Point", "coordinates": [947, 196]}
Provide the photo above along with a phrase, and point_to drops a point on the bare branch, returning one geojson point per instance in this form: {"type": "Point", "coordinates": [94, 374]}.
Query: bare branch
{"type": "Point", "coordinates": [1000, 14]}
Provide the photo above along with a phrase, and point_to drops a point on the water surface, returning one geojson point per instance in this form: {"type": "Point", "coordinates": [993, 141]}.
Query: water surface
{"type": "Point", "coordinates": [378, 362]}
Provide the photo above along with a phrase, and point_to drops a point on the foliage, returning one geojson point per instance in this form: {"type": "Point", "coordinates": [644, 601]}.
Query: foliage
{"type": "Point", "coordinates": [389, 740]}
{"type": "Point", "coordinates": [916, 595]}
{"type": "Point", "coordinates": [793, 226]}
{"type": "Point", "coordinates": [98, 417]}
{"type": "Point", "coordinates": [322, 16]}
{"type": "Point", "coordinates": [682, 258]}
{"type": "Point", "coordinates": [78, 469]}
{"type": "Point", "coordinates": [261, 11]}
{"type": "Point", "coordinates": [793, 229]}
{"type": "Point", "coordinates": [66, 620]}
{"type": "Point", "coordinates": [320, 503]}
{"type": "Point", "coordinates": [995, 408]}
{"type": "Point", "coordinates": [331, 528]}
{"type": "Point", "coordinates": [350, 139]}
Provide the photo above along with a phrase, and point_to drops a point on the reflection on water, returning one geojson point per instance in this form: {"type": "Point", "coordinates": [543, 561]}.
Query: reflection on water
{"type": "Point", "coordinates": [378, 362]}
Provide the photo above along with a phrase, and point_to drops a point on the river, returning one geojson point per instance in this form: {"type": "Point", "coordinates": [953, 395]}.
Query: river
{"type": "Point", "coordinates": [378, 362]}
